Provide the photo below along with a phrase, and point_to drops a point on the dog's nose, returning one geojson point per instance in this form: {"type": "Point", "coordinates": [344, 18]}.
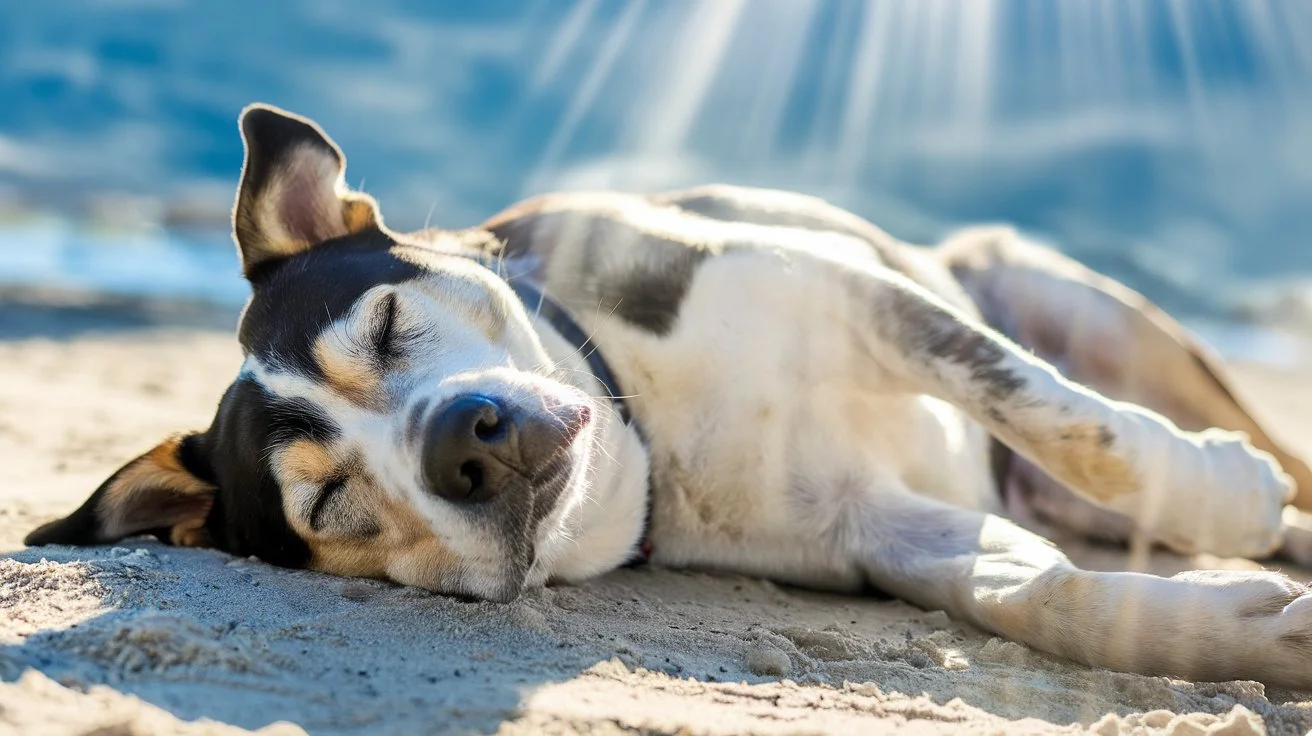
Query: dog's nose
{"type": "Point", "coordinates": [475, 445]}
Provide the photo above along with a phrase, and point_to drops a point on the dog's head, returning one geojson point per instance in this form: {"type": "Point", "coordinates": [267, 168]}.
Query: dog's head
{"type": "Point", "coordinates": [396, 415]}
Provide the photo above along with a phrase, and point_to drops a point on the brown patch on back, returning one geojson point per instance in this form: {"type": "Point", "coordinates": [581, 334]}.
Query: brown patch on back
{"type": "Point", "coordinates": [154, 491]}
{"type": "Point", "coordinates": [350, 376]}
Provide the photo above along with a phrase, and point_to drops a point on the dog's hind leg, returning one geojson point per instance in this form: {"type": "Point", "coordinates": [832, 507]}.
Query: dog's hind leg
{"type": "Point", "coordinates": [1196, 492]}
{"type": "Point", "coordinates": [985, 570]}
{"type": "Point", "coordinates": [1103, 335]}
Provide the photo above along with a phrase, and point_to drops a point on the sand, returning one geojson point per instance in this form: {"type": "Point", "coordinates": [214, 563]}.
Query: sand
{"type": "Point", "coordinates": [140, 638]}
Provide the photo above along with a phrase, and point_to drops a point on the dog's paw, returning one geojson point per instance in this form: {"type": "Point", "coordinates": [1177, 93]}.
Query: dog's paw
{"type": "Point", "coordinates": [1260, 621]}
{"type": "Point", "coordinates": [1287, 638]}
{"type": "Point", "coordinates": [1230, 499]}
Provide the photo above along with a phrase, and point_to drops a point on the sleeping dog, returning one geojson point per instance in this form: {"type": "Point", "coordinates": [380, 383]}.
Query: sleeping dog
{"type": "Point", "coordinates": [720, 378]}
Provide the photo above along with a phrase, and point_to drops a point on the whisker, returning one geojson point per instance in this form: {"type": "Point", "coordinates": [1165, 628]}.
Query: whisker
{"type": "Point", "coordinates": [596, 324]}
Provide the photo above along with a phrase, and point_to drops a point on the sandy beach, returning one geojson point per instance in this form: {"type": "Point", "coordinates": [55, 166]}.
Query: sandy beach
{"type": "Point", "coordinates": [140, 638]}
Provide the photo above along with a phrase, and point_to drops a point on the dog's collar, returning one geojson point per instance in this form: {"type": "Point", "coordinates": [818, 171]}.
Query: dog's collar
{"type": "Point", "coordinates": [537, 302]}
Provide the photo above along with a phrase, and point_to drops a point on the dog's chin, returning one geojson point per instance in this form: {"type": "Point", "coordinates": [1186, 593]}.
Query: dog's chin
{"type": "Point", "coordinates": [528, 552]}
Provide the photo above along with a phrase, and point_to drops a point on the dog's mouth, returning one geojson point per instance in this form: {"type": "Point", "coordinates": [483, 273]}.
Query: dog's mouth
{"type": "Point", "coordinates": [520, 527]}
{"type": "Point", "coordinates": [510, 473]}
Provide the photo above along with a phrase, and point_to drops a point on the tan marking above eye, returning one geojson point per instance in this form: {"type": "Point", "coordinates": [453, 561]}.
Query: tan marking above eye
{"type": "Point", "coordinates": [347, 371]}
{"type": "Point", "coordinates": [405, 550]}
{"type": "Point", "coordinates": [306, 461]}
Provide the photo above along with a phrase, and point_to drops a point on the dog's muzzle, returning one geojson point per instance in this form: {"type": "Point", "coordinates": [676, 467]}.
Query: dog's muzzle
{"type": "Point", "coordinates": [475, 446]}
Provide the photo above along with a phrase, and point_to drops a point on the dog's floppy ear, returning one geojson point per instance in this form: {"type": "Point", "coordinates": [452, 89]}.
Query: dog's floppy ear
{"type": "Point", "coordinates": [293, 194]}
{"type": "Point", "coordinates": [167, 491]}
{"type": "Point", "coordinates": [1104, 335]}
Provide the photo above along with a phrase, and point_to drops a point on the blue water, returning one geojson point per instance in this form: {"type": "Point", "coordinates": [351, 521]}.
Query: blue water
{"type": "Point", "coordinates": [1165, 143]}
{"type": "Point", "coordinates": [197, 266]}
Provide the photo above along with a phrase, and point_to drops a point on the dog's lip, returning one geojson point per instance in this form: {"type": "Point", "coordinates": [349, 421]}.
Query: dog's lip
{"type": "Point", "coordinates": [573, 419]}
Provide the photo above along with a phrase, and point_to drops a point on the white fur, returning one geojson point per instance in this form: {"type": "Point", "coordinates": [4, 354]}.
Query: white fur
{"type": "Point", "coordinates": [799, 432]}
{"type": "Point", "coordinates": [815, 417]}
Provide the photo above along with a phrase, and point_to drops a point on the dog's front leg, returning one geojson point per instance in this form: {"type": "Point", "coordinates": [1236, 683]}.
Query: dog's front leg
{"type": "Point", "coordinates": [1196, 492]}
{"type": "Point", "coordinates": [983, 569]}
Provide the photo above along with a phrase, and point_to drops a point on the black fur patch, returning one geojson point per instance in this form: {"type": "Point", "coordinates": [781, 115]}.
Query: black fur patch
{"type": "Point", "coordinates": [247, 517]}
{"type": "Point", "coordinates": [80, 527]}
{"type": "Point", "coordinates": [649, 294]}
{"type": "Point", "coordinates": [646, 294]}
{"type": "Point", "coordinates": [934, 330]}
{"type": "Point", "coordinates": [294, 299]}
{"type": "Point", "coordinates": [193, 454]}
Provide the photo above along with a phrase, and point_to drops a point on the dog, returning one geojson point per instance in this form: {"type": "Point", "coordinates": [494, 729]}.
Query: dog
{"type": "Point", "coordinates": [722, 378]}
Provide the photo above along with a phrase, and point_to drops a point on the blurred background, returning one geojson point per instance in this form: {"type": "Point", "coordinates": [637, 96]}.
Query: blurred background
{"type": "Point", "coordinates": [1164, 142]}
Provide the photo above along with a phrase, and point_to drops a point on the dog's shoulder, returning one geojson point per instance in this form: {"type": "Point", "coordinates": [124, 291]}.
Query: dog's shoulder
{"type": "Point", "coordinates": [639, 253]}
{"type": "Point", "coordinates": [573, 225]}
{"type": "Point", "coordinates": [617, 253]}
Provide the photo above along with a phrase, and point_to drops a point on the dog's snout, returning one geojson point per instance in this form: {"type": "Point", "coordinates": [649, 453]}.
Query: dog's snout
{"type": "Point", "coordinates": [465, 447]}
{"type": "Point", "coordinates": [475, 445]}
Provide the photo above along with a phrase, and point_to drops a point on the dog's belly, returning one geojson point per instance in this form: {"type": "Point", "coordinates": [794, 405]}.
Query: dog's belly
{"type": "Point", "coordinates": [766, 422]}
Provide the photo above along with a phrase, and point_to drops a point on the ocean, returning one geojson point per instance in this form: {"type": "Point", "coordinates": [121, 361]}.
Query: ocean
{"type": "Point", "coordinates": [1162, 143]}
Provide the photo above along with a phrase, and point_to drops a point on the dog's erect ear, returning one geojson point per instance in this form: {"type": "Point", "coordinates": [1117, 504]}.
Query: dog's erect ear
{"type": "Point", "coordinates": [293, 194]}
{"type": "Point", "coordinates": [167, 491]}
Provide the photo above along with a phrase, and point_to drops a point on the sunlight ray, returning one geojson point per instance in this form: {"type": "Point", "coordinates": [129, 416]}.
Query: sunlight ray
{"type": "Point", "coordinates": [1182, 31]}
{"type": "Point", "coordinates": [563, 43]}
{"type": "Point", "coordinates": [974, 61]}
{"type": "Point", "coordinates": [863, 90]}
{"type": "Point", "coordinates": [817, 161]}
{"type": "Point", "coordinates": [616, 40]}
{"type": "Point", "coordinates": [687, 73]}
{"type": "Point", "coordinates": [789, 31]}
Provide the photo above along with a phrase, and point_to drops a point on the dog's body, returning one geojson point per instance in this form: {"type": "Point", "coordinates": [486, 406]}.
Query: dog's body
{"type": "Point", "coordinates": [811, 401]}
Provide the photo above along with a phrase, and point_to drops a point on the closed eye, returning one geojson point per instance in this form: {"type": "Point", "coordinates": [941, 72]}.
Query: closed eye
{"type": "Point", "coordinates": [384, 332]}
{"type": "Point", "coordinates": [326, 494]}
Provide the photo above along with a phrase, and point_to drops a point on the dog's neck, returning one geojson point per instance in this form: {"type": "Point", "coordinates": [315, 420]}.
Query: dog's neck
{"type": "Point", "coordinates": [549, 310]}
{"type": "Point", "coordinates": [609, 526]}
